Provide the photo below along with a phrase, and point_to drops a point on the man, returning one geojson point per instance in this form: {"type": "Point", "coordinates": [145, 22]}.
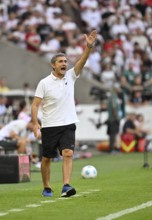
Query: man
{"type": "Point", "coordinates": [129, 125]}
{"type": "Point", "coordinates": [59, 115]}
{"type": "Point", "coordinates": [10, 135]}
{"type": "Point", "coordinates": [114, 116]}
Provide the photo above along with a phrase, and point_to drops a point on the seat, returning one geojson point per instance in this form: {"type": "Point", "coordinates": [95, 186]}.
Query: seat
{"type": "Point", "coordinates": [128, 143]}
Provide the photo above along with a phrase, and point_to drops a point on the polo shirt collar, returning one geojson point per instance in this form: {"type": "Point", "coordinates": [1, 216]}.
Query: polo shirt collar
{"type": "Point", "coordinates": [56, 78]}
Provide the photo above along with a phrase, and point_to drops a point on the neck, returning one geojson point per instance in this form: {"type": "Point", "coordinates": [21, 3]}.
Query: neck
{"type": "Point", "coordinates": [58, 75]}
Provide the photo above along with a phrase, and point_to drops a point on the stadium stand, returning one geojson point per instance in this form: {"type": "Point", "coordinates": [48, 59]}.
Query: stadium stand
{"type": "Point", "coordinates": [46, 26]}
{"type": "Point", "coordinates": [122, 53]}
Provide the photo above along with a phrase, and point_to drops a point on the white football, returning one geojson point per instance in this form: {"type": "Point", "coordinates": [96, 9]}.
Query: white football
{"type": "Point", "coordinates": [88, 171]}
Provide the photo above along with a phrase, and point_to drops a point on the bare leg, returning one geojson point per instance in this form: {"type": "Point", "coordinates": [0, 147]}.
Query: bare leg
{"type": "Point", "coordinates": [22, 146]}
{"type": "Point", "coordinates": [45, 171]}
{"type": "Point", "coordinates": [67, 165]}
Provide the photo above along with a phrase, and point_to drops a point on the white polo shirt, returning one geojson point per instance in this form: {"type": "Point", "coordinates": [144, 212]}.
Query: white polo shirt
{"type": "Point", "coordinates": [58, 99]}
{"type": "Point", "coordinates": [17, 126]}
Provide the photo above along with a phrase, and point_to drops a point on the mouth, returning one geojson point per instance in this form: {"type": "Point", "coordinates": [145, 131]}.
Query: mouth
{"type": "Point", "coordinates": [63, 68]}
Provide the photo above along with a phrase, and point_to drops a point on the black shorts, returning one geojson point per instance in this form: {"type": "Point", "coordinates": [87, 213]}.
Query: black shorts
{"type": "Point", "coordinates": [9, 144]}
{"type": "Point", "coordinates": [56, 139]}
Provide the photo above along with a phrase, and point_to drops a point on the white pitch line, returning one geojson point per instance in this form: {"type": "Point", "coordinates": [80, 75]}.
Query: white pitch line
{"type": "Point", "coordinates": [77, 195]}
{"type": "Point", "coordinates": [45, 202]}
{"type": "Point", "coordinates": [33, 205]}
{"type": "Point", "coordinates": [3, 213]}
{"type": "Point", "coordinates": [126, 211]}
{"type": "Point", "coordinates": [85, 192]}
{"type": "Point", "coordinates": [15, 210]}
{"type": "Point", "coordinates": [94, 190]}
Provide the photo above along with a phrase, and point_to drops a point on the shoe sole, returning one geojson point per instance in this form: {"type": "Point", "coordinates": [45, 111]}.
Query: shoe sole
{"type": "Point", "coordinates": [47, 195]}
{"type": "Point", "coordinates": [69, 193]}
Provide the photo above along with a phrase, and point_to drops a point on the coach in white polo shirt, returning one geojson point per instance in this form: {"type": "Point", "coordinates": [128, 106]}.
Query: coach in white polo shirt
{"type": "Point", "coordinates": [59, 115]}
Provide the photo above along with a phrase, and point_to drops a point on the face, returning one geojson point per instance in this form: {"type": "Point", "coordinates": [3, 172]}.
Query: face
{"type": "Point", "coordinates": [132, 117]}
{"type": "Point", "coordinates": [60, 67]}
{"type": "Point", "coordinates": [140, 118]}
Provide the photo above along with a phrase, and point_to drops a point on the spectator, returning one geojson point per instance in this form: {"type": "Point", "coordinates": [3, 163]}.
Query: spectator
{"type": "Point", "coordinates": [127, 45]}
{"type": "Point", "coordinates": [119, 27]}
{"type": "Point", "coordinates": [23, 111]}
{"type": "Point", "coordinates": [56, 21]}
{"type": "Point", "coordinates": [140, 124]}
{"type": "Point", "coordinates": [91, 14]}
{"type": "Point", "coordinates": [61, 37]}
{"type": "Point", "coordinates": [23, 6]}
{"type": "Point", "coordinates": [125, 86]}
{"type": "Point", "coordinates": [44, 30]}
{"type": "Point", "coordinates": [137, 98]}
{"type": "Point", "coordinates": [74, 51]}
{"type": "Point", "coordinates": [94, 70]}
{"type": "Point", "coordinates": [108, 76]}
{"type": "Point", "coordinates": [11, 22]}
{"type": "Point", "coordinates": [12, 7]}
{"type": "Point", "coordinates": [69, 27]}
{"type": "Point", "coordinates": [135, 62]}
{"type": "Point", "coordinates": [33, 39]}
{"type": "Point", "coordinates": [49, 47]}
{"type": "Point", "coordinates": [147, 82]}
{"type": "Point", "coordinates": [135, 23]}
{"type": "Point", "coordinates": [140, 38]}
{"type": "Point", "coordinates": [72, 8]}
{"type": "Point", "coordinates": [24, 115]}
{"type": "Point", "coordinates": [129, 74]}
{"type": "Point", "coordinates": [142, 7]}
{"type": "Point", "coordinates": [18, 36]}
{"type": "Point", "coordinates": [130, 127]}
{"type": "Point", "coordinates": [137, 84]}
{"type": "Point", "coordinates": [114, 116]}
{"type": "Point", "coordinates": [3, 85]}
{"type": "Point", "coordinates": [3, 110]}
{"type": "Point", "coordinates": [10, 135]}
{"type": "Point", "coordinates": [3, 21]}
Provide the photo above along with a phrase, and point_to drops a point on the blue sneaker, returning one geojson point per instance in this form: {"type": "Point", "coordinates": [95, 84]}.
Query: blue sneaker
{"type": "Point", "coordinates": [68, 191]}
{"type": "Point", "coordinates": [47, 192]}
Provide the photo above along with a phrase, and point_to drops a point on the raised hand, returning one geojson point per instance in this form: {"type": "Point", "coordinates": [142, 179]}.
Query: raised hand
{"type": "Point", "coordinates": [91, 38]}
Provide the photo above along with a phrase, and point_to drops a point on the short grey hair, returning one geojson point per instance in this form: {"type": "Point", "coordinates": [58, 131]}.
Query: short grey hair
{"type": "Point", "coordinates": [54, 58]}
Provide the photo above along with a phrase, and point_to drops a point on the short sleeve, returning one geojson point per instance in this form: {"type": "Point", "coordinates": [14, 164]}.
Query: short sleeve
{"type": "Point", "coordinates": [40, 90]}
{"type": "Point", "coordinates": [73, 74]}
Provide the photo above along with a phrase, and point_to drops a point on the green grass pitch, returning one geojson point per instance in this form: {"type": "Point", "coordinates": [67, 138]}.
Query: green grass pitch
{"type": "Point", "coordinates": [122, 183]}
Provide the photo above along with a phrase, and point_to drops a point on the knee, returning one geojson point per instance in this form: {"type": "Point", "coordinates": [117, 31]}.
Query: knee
{"type": "Point", "coordinates": [67, 153]}
{"type": "Point", "coordinates": [21, 142]}
{"type": "Point", "coordinates": [46, 160]}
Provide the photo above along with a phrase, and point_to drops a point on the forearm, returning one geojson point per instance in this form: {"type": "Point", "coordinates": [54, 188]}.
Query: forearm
{"type": "Point", "coordinates": [34, 113]}
{"type": "Point", "coordinates": [81, 62]}
{"type": "Point", "coordinates": [90, 40]}
{"type": "Point", "coordinates": [130, 131]}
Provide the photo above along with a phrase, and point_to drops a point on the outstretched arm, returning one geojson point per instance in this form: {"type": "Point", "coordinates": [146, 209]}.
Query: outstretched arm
{"type": "Point", "coordinates": [90, 39]}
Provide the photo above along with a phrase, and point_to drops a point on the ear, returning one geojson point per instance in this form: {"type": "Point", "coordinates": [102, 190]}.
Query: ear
{"type": "Point", "coordinates": [52, 65]}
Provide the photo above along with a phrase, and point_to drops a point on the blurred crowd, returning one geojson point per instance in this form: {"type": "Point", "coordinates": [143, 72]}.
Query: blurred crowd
{"type": "Point", "coordinates": [123, 50]}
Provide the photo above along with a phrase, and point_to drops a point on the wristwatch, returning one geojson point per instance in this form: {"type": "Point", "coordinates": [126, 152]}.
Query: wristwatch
{"type": "Point", "coordinates": [90, 46]}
